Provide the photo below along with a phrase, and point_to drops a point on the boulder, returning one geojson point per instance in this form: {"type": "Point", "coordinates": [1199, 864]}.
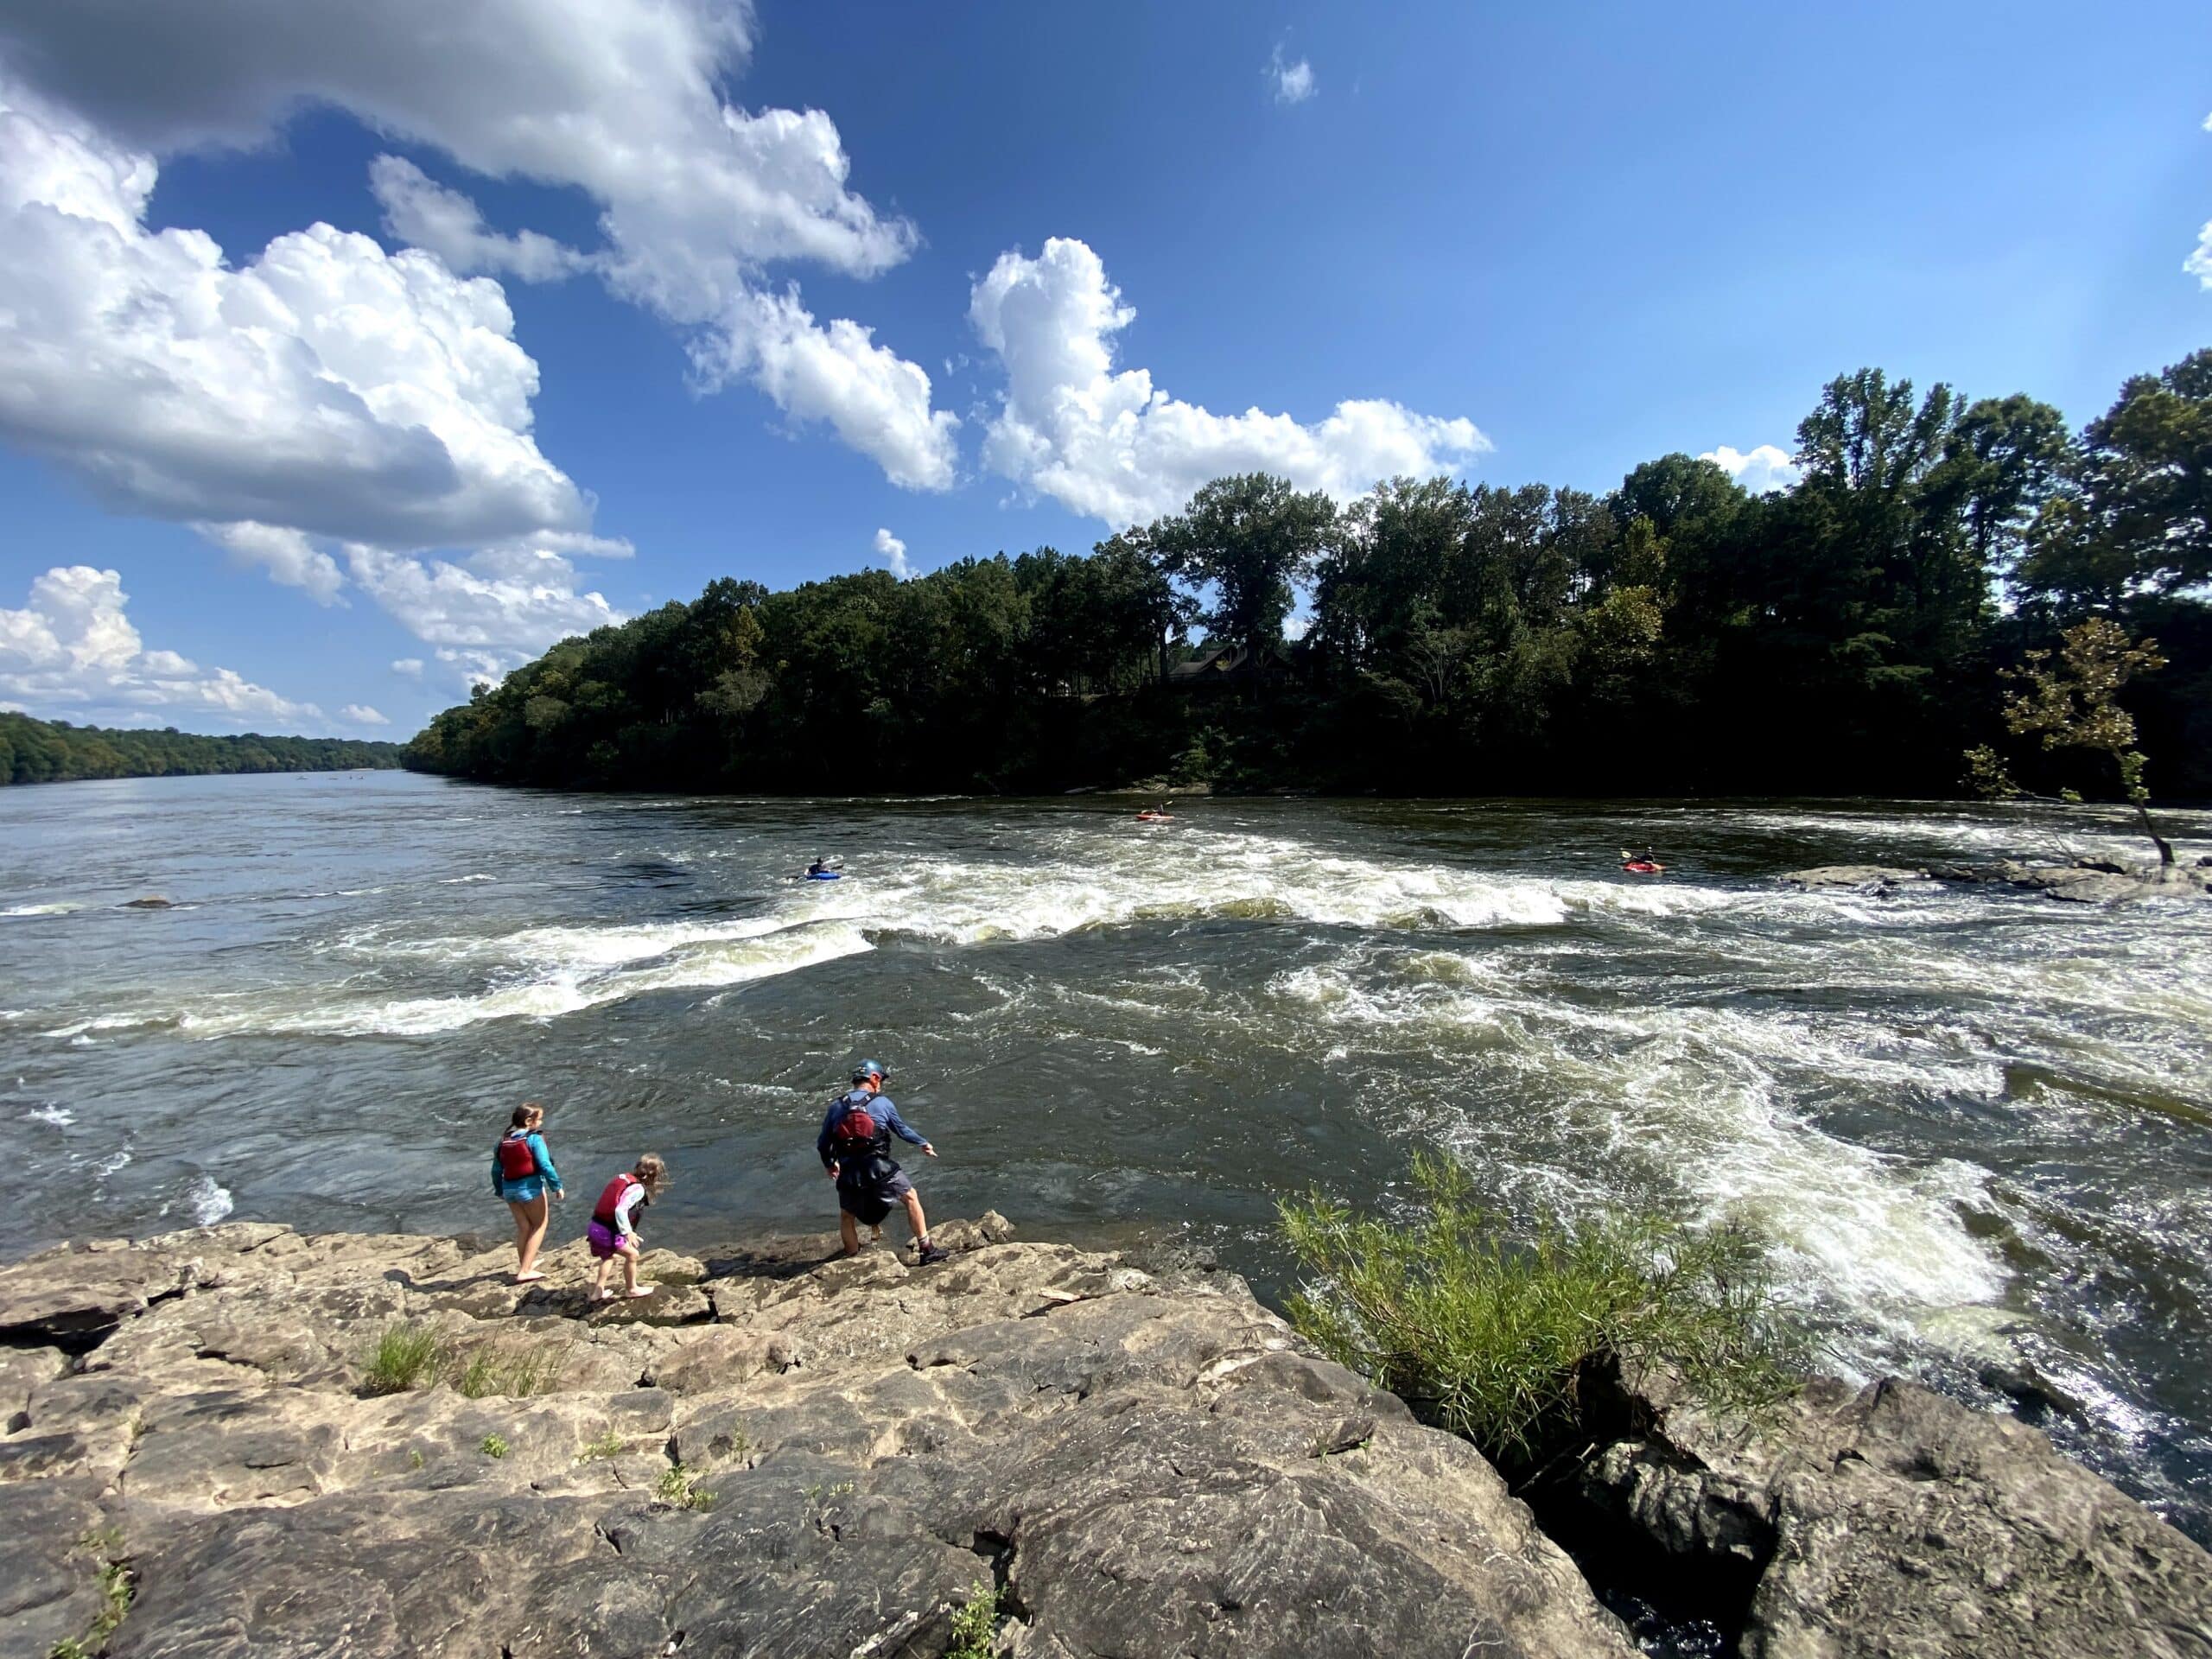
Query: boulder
{"type": "Point", "coordinates": [1891, 1521]}
{"type": "Point", "coordinates": [1876, 879]}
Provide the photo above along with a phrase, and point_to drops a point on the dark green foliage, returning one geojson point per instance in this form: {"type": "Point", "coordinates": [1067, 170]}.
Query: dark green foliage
{"type": "Point", "coordinates": [1677, 636]}
{"type": "Point", "coordinates": [55, 752]}
{"type": "Point", "coordinates": [1487, 1336]}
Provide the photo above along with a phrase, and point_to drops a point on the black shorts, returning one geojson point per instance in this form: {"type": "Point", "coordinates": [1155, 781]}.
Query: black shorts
{"type": "Point", "coordinates": [868, 1202]}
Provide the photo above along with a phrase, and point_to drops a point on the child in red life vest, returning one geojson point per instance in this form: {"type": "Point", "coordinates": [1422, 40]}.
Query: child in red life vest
{"type": "Point", "coordinates": [612, 1234]}
{"type": "Point", "coordinates": [522, 1174]}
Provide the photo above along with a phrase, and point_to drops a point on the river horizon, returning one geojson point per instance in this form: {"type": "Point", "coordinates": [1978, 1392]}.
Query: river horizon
{"type": "Point", "coordinates": [1971, 1126]}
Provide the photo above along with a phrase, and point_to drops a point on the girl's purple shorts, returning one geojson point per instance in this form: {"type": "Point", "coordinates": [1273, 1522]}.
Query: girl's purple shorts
{"type": "Point", "coordinates": [604, 1244]}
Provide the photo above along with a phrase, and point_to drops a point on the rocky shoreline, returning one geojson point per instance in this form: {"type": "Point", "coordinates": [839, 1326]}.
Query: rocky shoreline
{"type": "Point", "coordinates": [2083, 882]}
{"type": "Point", "coordinates": [242, 1440]}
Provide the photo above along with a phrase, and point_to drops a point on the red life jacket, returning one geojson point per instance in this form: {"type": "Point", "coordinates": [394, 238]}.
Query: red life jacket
{"type": "Point", "coordinates": [517, 1161]}
{"type": "Point", "coordinates": [604, 1214]}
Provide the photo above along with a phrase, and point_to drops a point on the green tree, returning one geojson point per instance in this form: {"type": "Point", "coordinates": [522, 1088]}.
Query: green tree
{"type": "Point", "coordinates": [1251, 539]}
{"type": "Point", "coordinates": [2071, 701]}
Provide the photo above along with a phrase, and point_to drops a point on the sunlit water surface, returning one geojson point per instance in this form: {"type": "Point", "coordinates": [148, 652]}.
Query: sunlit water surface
{"type": "Point", "coordinates": [1974, 1124]}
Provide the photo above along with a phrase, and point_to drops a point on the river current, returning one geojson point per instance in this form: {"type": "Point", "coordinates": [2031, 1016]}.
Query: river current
{"type": "Point", "coordinates": [1975, 1126]}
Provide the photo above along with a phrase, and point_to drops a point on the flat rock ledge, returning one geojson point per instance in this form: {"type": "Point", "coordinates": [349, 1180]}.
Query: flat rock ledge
{"type": "Point", "coordinates": [781, 1452]}
{"type": "Point", "coordinates": [775, 1454]}
{"type": "Point", "coordinates": [2085, 881]}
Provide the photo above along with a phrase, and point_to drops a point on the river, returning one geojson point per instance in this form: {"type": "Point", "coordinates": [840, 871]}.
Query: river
{"type": "Point", "coordinates": [1971, 1123]}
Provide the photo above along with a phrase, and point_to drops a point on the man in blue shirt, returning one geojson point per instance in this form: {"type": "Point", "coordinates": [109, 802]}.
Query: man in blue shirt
{"type": "Point", "coordinates": [854, 1146]}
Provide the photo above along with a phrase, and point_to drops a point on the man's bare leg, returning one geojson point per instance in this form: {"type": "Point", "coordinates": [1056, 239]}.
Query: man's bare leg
{"type": "Point", "coordinates": [850, 1230]}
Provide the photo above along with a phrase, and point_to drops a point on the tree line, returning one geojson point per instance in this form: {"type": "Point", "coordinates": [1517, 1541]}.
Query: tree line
{"type": "Point", "coordinates": [55, 752]}
{"type": "Point", "coordinates": [1856, 632]}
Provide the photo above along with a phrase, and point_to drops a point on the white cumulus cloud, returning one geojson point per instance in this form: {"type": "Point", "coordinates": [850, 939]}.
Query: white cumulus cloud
{"type": "Point", "coordinates": [323, 386]}
{"type": "Point", "coordinates": [875, 401]}
{"type": "Point", "coordinates": [423, 213]}
{"type": "Point", "coordinates": [410, 666]}
{"type": "Point", "coordinates": [892, 552]}
{"type": "Point", "coordinates": [361, 713]}
{"type": "Point", "coordinates": [1109, 445]}
{"type": "Point", "coordinates": [72, 651]}
{"type": "Point", "coordinates": [618, 99]}
{"type": "Point", "coordinates": [1761, 471]}
{"type": "Point", "coordinates": [488, 611]}
{"type": "Point", "coordinates": [1293, 82]}
{"type": "Point", "coordinates": [288, 556]}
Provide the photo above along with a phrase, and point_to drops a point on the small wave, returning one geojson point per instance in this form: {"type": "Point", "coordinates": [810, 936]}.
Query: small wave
{"type": "Point", "coordinates": [60, 1116]}
{"type": "Point", "coordinates": [719, 962]}
{"type": "Point", "coordinates": [59, 908]}
{"type": "Point", "coordinates": [209, 1201]}
{"type": "Point", "coordinates": [1709, 1097]}
{"type": "Point", "coordinates": [104, 1168]}
{"type": "Point", "coordinates": [460, 880]}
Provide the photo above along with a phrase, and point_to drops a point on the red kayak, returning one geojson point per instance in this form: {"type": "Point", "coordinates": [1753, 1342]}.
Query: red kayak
{"type": "Point", "coordinates": [1154, 817]}
{"type": "Point", "coordinates": [1643, 867]}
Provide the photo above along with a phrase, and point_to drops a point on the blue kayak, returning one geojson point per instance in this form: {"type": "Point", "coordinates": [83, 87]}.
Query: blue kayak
{"type": "Point", "coordinates": [822, 875]}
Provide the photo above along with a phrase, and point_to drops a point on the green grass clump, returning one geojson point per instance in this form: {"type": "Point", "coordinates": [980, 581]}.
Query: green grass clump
{"type": "Point", "coordinates": [975, 1624]}
{"type": "Point", "coordinates": [1485, 1337]}
{"type": "Point", "coordinates": [409, 1355]}
{"type": "Point", "coordinates": [406, 1357]}
{"type": "Point", "coordinates": [493, 1446]}
{"type": "Point", "coordinates": [505, 1371]}
{"type": "Point", "coordinates": [116, 1592]}
{"type": "Point", "coordinates": [608, 1445]}
{"type": "Point", "coordinates": [679, 1487]}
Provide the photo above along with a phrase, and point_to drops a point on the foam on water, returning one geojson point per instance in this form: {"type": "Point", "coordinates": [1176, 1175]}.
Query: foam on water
{"type": "Point", "coordinates": [1708, 1097]}
{"type": "Point", "coordinates": [567, 988]}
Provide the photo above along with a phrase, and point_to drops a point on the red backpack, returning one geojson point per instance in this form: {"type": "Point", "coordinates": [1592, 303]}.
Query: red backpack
{"type": "Point", "coordinates": [516, 1159]}
{"type": "Point", "coordinates": [854, 1139]}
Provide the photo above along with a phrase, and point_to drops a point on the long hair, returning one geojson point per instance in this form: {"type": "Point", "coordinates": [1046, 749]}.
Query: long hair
{"type": "Point", "coordinates": [525, 1115]}
{"type": "Point", "coordinates": [652, 1173]}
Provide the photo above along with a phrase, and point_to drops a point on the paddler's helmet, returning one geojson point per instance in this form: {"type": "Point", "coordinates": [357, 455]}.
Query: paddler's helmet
{"type": "Point", "coordinates": [867, 1068]}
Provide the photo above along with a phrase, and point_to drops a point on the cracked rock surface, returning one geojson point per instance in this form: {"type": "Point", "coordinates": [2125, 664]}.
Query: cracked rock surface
{"type": "Point", "coordinates": [776, 1454]}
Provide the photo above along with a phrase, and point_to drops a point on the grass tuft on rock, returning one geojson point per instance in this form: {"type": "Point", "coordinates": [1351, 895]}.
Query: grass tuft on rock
{"type": "Point", "coordinates": [512, 1371]}
{"type": "Point", "coordinates": [609, 1444]}
{"type": "Point", "coordinates": [406, 1357]}
{"type": "Point", "coordinates": [1486, 1335]}
{"type": "Point", "coordinates": [117, 1590]}
{"type": "Point", "coordinates": [410, 1356]}
{"type": "Point", "coordinates": [975, 1624]}
{"type": "Point", "coordinates": [679, 1487]}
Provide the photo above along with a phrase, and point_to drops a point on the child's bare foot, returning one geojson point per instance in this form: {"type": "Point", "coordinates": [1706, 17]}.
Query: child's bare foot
{"type": "Point", "coordinates": [644, 1290]}
{"type": "Point", "coordinates": [530, 1278]}
{"type": "Point", "coordinates": [602, 1296]}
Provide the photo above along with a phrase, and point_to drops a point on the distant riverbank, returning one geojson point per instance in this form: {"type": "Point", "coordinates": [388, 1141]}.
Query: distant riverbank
{"type": "Point", "coordinates": [55, 752]}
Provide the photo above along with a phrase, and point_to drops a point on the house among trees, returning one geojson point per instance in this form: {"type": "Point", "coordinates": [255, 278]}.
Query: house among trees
{"type": "Point", "coordinates": [1230, 664]}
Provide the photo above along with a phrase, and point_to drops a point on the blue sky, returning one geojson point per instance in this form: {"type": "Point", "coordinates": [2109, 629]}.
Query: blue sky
{"type": "Point", "coordinates": [1515, 246]}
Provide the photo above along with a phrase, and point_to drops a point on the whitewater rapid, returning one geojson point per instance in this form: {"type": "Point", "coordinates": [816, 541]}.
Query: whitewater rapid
{"type": "Point", "coordinates": [1970, 1124]}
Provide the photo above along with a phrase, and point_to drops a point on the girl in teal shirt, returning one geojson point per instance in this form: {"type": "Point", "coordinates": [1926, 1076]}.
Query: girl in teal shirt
{"type": "Point", "coordinates": [522, 1174]}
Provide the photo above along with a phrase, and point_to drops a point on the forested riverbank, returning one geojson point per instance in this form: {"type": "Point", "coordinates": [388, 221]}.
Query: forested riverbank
{"type": "Point", "coordinates": [1851, 633]}
{"type": "Point", "coordinates": [55, 752]}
